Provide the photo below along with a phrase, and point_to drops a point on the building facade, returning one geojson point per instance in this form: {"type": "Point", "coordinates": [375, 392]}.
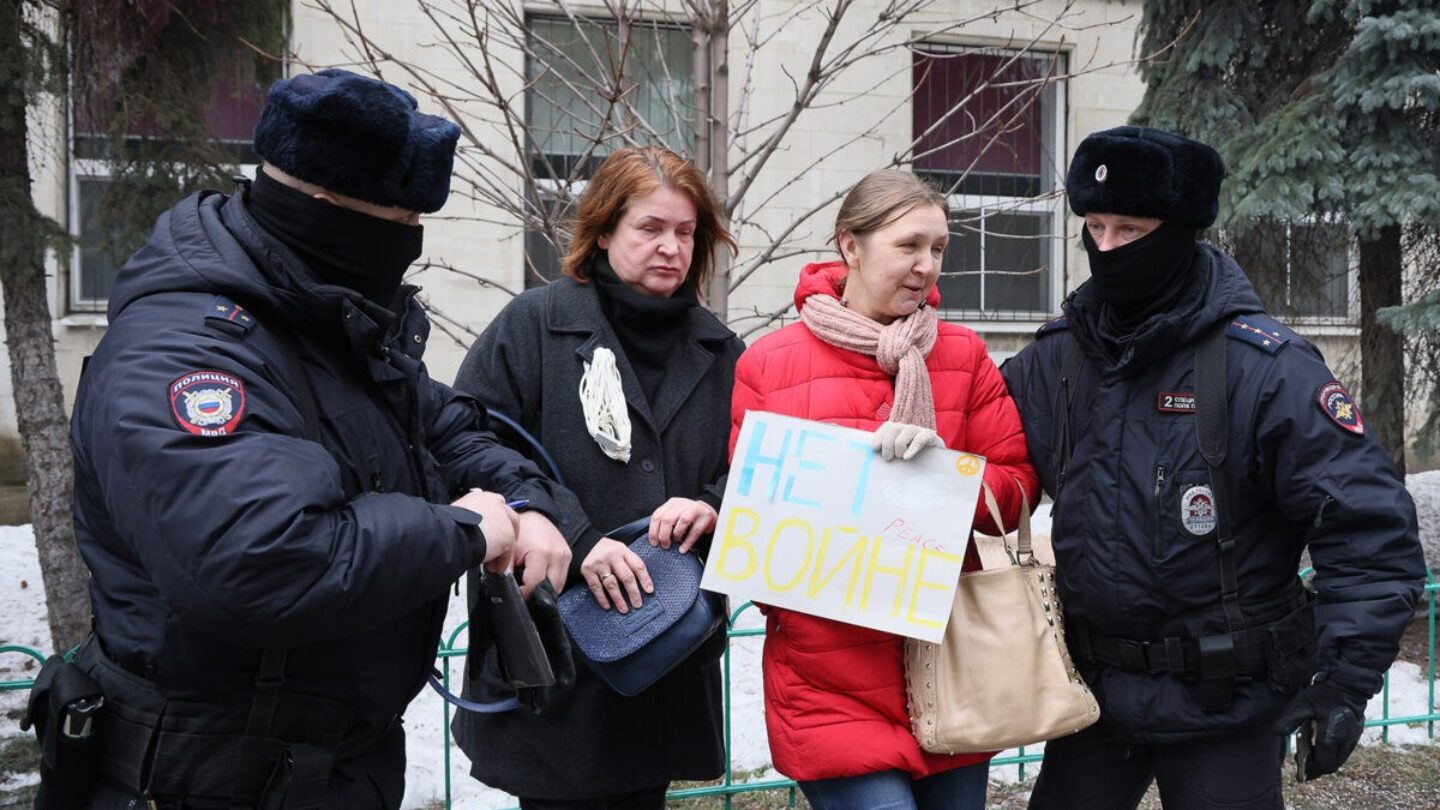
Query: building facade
{"type": "Point", "coordinates": [987, 103]}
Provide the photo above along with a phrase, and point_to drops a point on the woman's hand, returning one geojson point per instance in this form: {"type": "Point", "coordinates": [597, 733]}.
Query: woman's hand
{"type": "Point", "coordinates": [894, 440]}
{"type": "Point", "coordinates": [613, 571]}
{"type": "Point", "coordinates": [681, 520]}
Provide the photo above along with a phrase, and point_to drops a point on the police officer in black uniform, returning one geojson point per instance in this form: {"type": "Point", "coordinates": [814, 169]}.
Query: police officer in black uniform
{"type": "Point", "coordinates": [1194, 447]}
{"type": "Point", "coordinates": [272, 494]}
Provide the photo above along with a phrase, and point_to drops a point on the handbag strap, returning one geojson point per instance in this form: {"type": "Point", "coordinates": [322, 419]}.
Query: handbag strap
{"type": "Point", "coordinates": [529, 438]}
{"type": "Point", "coordinates": [1024, 550]}
{"type": "Point", "coordinates": [496, 707]}
{"type": "Point", "coordinates": [631, 531]}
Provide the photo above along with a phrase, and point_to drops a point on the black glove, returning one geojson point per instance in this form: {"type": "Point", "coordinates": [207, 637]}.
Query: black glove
{"type": "Point", "coordinates": [546, 614]}
{"type": "Point", "coordinates": [1330, 721]}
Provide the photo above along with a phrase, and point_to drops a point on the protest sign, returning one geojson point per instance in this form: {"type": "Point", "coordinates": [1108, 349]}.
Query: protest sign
{"type": "Point", "coordinates": [816, 521]}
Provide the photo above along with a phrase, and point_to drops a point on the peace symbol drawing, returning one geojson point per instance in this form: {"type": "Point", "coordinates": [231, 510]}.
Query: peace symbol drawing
{"type": "Point", "coordinates": [967, 465]}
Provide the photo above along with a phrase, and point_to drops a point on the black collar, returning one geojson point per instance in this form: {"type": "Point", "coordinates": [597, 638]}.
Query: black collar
{"type": "Point", "coordinates": [573, 307]}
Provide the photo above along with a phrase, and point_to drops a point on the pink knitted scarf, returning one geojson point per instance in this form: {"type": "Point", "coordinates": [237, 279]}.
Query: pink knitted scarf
{"type": "Point", "coordinates": [899, 348]}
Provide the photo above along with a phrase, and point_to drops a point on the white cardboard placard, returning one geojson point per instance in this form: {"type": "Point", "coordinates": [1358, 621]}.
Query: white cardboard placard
{"type": "Point", "coordinates": [816, 521]}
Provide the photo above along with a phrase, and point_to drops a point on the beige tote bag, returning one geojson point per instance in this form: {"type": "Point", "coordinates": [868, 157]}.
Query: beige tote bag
{"type": "Point", "coordinates": [1002, 677]}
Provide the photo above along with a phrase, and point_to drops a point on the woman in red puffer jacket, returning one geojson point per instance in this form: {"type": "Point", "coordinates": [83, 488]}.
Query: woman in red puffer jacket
{"type": "Point", "coordinates": [869, 353]}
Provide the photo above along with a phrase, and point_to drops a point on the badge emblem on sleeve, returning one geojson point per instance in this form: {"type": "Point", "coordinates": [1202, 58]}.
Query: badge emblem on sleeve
{"type": "Point", "coordinates": [1338, 405]}
{"type": "Point", "coordinates": [1197, 510]}
{"type": "Point", "coordinates": [207, 402]}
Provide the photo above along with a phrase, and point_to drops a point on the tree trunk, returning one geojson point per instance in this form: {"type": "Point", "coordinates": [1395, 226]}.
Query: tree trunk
{"type": "Point", "coordinates": [39, 403]}
{"type": "Point", "coordinates": [712, 144]}
{"type": "Point", "coordinates": [1382, 355]}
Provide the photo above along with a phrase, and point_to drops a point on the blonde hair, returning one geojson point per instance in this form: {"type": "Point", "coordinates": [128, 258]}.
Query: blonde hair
{"type": "Point", "coordinates": [634, 172]}
{"type": "Point", "coordinates": [881, 197]}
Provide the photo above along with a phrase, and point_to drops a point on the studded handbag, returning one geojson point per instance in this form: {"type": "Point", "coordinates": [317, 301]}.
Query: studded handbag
{"type": "Point", "coordinates": [1002, 676]}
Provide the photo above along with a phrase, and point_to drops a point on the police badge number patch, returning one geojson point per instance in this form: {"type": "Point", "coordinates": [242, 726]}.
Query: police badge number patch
{"type": "Point", "coordinates": [1175, 402]}
{"type": "Point", "coordinates": [1335, 401]}
{"type": "Point", "coordinates": [1197, 510]}
{"type": "Point", "coordinates": [207, 402]}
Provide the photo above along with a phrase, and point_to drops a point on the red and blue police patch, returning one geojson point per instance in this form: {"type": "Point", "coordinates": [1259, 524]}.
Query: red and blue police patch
{"type": "Point", "coordinates": [1335, 401]}
{"type": "Point", "coordinates": [207, 402]}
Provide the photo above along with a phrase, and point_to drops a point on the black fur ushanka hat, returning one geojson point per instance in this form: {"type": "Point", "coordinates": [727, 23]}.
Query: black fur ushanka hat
{"type": "Point", "coordinates": [1145, 172]}
{"type": "Point", "coordinates": [360, 137]}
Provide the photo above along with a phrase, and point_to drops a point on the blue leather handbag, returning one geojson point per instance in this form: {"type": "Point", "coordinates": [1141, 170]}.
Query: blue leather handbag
{"type": "Point", "coordinates": [631, 651]}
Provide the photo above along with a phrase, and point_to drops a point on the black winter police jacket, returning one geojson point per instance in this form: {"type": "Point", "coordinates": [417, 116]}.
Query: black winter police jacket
{"type": "Point", "coordinates": [1135, 546]}
{"type": "Point", "coordinates": [214, 528]}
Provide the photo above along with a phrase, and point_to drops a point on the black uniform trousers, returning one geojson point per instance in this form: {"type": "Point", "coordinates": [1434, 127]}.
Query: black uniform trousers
{"type": "Point", "coordinates": [1094, 770]}
{"type": "Point", "coordinates": [374, 780]}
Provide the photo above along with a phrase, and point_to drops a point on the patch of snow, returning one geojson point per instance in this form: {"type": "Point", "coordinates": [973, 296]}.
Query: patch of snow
{"type": "Point", "coordinates": [22, 616]}
{"type": "Point", "coordinates": [17, 781]}
{"type": "Point", "coordinates": [1409, 694]}
{"type": "Point", "coordinates": [1425, 489]}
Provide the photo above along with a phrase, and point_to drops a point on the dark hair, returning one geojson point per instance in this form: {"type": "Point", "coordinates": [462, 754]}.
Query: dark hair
{"type": "Point", "coordinates": [635, 172]}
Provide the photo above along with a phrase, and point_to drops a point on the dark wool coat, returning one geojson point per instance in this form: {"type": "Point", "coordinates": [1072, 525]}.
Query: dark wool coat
{"type": "Point", "coordinates": [591, 741]}
{"type": "Point", "coordinates": [211, 539]}
{"type": "Point", "coordinates": [1133, 562]}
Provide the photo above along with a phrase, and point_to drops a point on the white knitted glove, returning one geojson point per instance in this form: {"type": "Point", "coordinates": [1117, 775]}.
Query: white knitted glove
{"type": "Point", "coordinates": [898, 440]}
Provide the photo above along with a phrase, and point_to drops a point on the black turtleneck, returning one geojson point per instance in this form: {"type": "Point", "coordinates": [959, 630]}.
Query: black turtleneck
{"type": "Point", "coordinates": [1146, 277]}
{"type": "Point", "coordinates": [337, 245]}
{"type": "Point", "coordinates": [647, 327]}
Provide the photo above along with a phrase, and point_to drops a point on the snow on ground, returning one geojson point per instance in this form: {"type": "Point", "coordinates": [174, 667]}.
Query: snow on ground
{"type": "Point", "coordinates": [1425, 489]}
{"type": "Point", "coordinates": [22, 621]}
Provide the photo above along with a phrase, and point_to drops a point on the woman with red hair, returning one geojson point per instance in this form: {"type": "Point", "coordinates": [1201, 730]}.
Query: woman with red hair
{"type": "Point", "coordinates": [619, 371]}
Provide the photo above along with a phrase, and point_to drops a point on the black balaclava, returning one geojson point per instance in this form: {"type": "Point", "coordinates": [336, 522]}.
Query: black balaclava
{"type": "Point", "coordinates": [1145, 277]}
{"type": "Point", "coordinates": [648, 328]}
{"type": "Point", "coordinates": [338, 246]}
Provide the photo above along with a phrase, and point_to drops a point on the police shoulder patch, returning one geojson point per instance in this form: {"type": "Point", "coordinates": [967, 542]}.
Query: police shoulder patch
{"type": "Point", "coordinates": [1335, 401]}
{"type": "Point", "coordinates": [228, 316]}
{"type": "Point", "coordinates": [1053, 325]}
{"type": "Point", "coordinates": [206, 402]}
{"type": "Point", "coordinates": [1257, 333]}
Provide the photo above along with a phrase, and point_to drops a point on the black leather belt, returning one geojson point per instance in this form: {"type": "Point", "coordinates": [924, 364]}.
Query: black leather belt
{"type": "Point", "coordinates": [1247, 652]}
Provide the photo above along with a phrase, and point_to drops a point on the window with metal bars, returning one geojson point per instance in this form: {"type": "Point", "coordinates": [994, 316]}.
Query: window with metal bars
{"type": "Point", "coordinates": [573, 67]}
{"type": "Point", "coordinates": [1301, 271]}
{"type": "Point", "coordinates": [990, 132]}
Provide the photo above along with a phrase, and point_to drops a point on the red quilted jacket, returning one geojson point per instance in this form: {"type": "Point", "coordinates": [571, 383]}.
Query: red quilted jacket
{"type": "Point", "coordinates": [835, 693]}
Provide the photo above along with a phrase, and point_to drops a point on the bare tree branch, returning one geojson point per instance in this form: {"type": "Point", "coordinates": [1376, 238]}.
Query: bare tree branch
{"type": "Point", "coordinates": [544, 89]}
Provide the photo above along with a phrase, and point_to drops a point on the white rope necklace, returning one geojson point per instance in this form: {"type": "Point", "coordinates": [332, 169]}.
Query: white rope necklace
{"type": "Point", "coordinates": [607, 417]}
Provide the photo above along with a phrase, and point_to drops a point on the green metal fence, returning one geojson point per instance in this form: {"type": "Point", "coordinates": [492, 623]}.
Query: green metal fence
{"type": "Point", "coordinates": [728, 788]}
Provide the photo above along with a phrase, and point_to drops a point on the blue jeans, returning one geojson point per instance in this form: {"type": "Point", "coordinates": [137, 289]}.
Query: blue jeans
{"type": "Point", "coordinates": [955, 789]}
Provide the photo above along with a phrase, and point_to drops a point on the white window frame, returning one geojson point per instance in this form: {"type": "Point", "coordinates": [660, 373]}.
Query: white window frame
{"type": "Point", "coordinates": [96, 169]}
{"type": "Point", "coordinates": [598, 17]}
{"type": "Point", "coordinates": [84, 309]}
{"type": "Point", "coordinates": [1050, 203]}
{"type": "Point", "coordinates": [575, 188]}
{"type": "Point", "coordinates": [1352, 285]}
{"type": "Point", "coordinates": [1013, 320]}
{"type": "Point", "coordinates": [1328, 324]}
